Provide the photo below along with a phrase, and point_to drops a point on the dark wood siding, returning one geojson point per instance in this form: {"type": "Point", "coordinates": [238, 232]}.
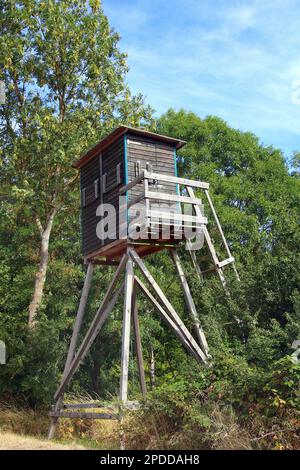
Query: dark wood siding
{"type": "Point", "coordinates": [88, 175]}
{"type": "Point", "coordinates": [157, 154]}
{"type": "Point", "coordinates": [111, 162]}
{"type": "Point", "coordinates": [91, 172]}
{"type": "Point", "coordinates": [111, 157]}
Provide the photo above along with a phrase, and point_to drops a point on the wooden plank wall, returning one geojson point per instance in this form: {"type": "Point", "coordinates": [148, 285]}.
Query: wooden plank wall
{"type": "Point", "coordinates": [88, 174]}
{"type": "Point", "coordinates": [111, 157]}
{"type": "Point", "coordinates": [159, 154]}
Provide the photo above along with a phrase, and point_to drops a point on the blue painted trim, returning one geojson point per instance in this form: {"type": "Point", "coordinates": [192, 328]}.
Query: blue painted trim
{"type": "Point", "coordinates": [176, 171]}
{"type": "Point", "coordinates": [126, 168]}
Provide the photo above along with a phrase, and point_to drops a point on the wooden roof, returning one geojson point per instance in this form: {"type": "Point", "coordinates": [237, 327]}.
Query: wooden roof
{"type": "Point", "coordinates": [115, 134]}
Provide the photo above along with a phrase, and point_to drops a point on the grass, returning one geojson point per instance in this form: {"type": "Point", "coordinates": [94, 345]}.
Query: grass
{"type": "Point", "coordinates": [21, 427]}
{"type": "Point", "coordinates": [210, 427]}
{"type": "Point", "coordinates": [12, 441]}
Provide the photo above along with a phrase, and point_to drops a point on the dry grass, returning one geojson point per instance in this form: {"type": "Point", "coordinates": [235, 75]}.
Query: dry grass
{"type": "Point", "coordinates": [23, 420]}
{"type": "Point", "coordinates": [10, 441]}
{"type": "Point", "coordinates": [96, 434]}
{"type": "Point", "coordinates": [218, 430]}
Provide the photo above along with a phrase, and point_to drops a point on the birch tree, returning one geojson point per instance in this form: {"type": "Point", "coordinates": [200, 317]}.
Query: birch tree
{"type": "Point", "coordinates": [65, 86]}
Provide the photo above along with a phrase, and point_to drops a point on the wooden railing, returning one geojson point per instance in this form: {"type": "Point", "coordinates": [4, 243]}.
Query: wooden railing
{"type": "Point", "coordinates": [146, 180]}
{"type": "Point", "coordinates": [178, 219]}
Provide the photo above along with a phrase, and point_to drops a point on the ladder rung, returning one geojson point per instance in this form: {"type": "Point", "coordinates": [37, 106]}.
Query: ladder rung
{"type": "Point", "coordinates": [84, 405]}
{"type": "Point", "coordinates": [79, 414]}
{"type": "Point", "coordinates": [225, 262]}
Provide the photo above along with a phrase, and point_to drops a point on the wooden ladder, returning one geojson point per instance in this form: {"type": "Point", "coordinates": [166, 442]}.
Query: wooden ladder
{"type": "Point", "coordinates": [217, 264]}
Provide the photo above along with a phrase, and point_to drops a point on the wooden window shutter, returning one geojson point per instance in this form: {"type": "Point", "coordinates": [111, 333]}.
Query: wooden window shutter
{"type": "Point", "coordinates": [96, 188]}
{"type": "Point", "coordinates": [119, 181]}
{"type": "Point", "coordinates": [104, 183]}
{"type": "Point", "coordinates": [137, 168]}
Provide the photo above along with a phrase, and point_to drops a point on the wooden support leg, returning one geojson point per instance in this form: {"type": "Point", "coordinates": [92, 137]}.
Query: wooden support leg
{"type": "Point", "coordinates": [174, 316]}
{"type": "Point", "coordinates": [54, 420]}
{"type": "Point", "coordinates": [99, 319]}
{"type": "Point", "coordinates": [126, 331]}
{"type": "Point", "coordinates": [190, 303]}
{"type": "Point", "coordinates": [138, 342]}
{"type": "Point", "coordinates": [80, 316]}
{"type": "Point", "coordinates": [73, 343]}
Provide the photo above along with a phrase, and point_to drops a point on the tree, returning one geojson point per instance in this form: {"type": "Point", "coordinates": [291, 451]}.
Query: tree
{"type": "Point", "coordinates": [258, 202]}
{"type": "Point", "coordinates": [65, 88]}
{"type": "Point", "coordinates": [295, 163]}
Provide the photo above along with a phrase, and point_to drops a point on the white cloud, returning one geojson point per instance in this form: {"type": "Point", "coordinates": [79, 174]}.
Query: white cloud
{"type": "Point", "coordinates": [243, 17]}
{"type": "Point", "coordinates": [236, 59]}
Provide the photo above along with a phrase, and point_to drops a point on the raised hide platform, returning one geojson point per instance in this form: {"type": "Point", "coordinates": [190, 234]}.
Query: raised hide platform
{"type": "Point", "coordinates": [112, 253]}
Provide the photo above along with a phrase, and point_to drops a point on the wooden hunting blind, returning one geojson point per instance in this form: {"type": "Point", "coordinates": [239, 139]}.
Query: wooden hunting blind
{"type": "Point", "coordinates": [136, 168]}
{"type": "Point", "coordinates": [117, 160]}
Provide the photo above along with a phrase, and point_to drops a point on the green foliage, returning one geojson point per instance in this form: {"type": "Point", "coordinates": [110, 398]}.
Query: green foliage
{"type": "Point", "coordinates": [282, 389]}
{"type": "Point", "coordinates": [65, 82]}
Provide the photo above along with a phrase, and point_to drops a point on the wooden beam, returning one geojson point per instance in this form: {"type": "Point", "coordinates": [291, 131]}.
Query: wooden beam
{"type": "Point", "coordinates": [165, 317]}
{"type": "Point", "coordinates": [190, 303]}
{"type": "Point", "coordinates": [138, 342]}
{"type": "Point", "coordinates": [79, 406]}
{"type": "Point", "coordinates": [136, 200]}
{"type": "Point", "coordinates": [210, 245]}
{"type": "Point", "coordinates": [173, 216]}
{"type": "Point", "coordinates": [175, 179]}
{"type": "Point", "coordinates": [83, 415]}
{"type": "Point", "coordinates": [110, 251]}
{"type": "Point", "coordinates": [221, 231]}
{"type": "Point", "coordinates": [172, 198]}
{"type": "Point", "coordinates": [132, 183]}
{"type": "Point", "coordinates": [100, 317]}
{"type": "Point", "coordinates": [79, 317]}
{"type": "Point", "coordinates": [89, 339]}
{"type": "Point", "coordinates": [175, 317]}
{"type": "Point", "coordinates": [226, 261]}
{"type": "Point", "coordinates": [73, 343]}
{"type": "Point", "coordinates": [129, 278]}
{"type": "Point", "coordinates": [54, 420]}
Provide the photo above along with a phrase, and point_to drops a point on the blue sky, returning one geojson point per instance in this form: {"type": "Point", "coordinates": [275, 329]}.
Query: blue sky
{"type": "Point", "coordinates": [239, 60]}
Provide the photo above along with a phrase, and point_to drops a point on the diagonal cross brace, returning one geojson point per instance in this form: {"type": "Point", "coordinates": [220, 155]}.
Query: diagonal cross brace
{"type": "Point", "coordinates": [167, 319]}
{"type": "Point", "coordinates": [99, 319]}
{"type": "Point", "coordinates": [170, 309]}
{"type": "Point", "coordinates": [190, 303]}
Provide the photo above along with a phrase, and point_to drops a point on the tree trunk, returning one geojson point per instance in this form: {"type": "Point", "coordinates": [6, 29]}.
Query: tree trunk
{"type": "Point", "coordinates": [40, 276]}
{"type": "Point", "coordinates": [152, 369]}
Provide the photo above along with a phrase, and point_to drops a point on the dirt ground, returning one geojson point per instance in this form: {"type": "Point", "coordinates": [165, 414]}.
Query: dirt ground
{"type": "Point", "coordinates": [10, 441]}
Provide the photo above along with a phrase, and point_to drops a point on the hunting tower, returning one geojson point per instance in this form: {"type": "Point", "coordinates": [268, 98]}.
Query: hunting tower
{"type": "Point", "coordinates": [133, 204]}
{"type": "Point", "coordinates": [108, 171]}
